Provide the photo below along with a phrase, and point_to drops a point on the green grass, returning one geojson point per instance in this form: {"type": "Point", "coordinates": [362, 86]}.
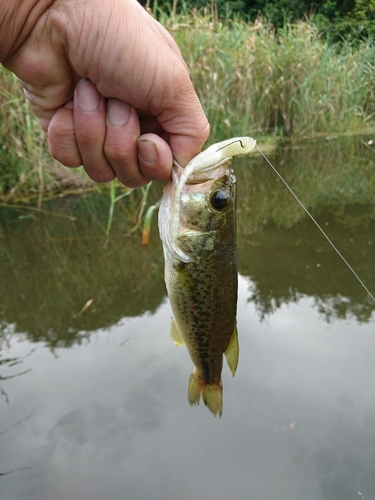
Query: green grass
{"type": "Point", "coordinates": [251, 80]}
{"type": "Point", "coordinates": [27, 172]}
{"type": "Point", "coordinates": [22, 152]}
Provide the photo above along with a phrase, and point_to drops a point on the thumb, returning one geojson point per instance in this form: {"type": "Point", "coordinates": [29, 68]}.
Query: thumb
{"type": "Point", "coordinates": [185, 147]}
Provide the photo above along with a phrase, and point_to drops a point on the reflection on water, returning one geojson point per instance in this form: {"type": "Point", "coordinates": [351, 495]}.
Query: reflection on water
{"type": "Point", "coordinates": [93, 403]}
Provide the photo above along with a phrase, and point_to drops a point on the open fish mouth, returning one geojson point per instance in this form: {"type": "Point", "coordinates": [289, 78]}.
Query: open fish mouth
{"type": "Point", "coordinates": [198, 176]}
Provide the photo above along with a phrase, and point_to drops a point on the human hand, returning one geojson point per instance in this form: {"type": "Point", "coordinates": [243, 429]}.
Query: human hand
{"type": "Point", "coordinates": [111, 90]}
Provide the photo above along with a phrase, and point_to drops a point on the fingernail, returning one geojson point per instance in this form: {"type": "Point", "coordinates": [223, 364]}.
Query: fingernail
{"type": "Point", "coordinates": [118, 112]}
{"type": "Point", "coordinates": [147, 152]}
{"type": "Point", "coordinates": [88, 97]}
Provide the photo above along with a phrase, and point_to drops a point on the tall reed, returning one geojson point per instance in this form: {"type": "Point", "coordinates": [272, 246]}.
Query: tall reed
{"type": "Point", "coordinates": [251, 79]}
{"type": "Point", "coordinates": [26, 168]}
{"type": "Point", "coordinates": [22, 148]}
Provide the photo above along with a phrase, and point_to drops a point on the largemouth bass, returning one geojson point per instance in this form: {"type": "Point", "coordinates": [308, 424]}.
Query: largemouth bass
{"type": "Point", "coordinates": [198, 229]}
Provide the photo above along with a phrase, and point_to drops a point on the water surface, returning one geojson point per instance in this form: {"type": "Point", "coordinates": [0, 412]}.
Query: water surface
{"type": "Point", "coordinates": [94, 404]}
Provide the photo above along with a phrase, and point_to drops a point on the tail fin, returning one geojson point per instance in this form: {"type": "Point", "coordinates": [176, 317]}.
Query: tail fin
{"type": "Point", "coordinates": [212, 394]}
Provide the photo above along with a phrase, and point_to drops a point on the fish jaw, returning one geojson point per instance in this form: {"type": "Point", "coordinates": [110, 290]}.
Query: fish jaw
{"type": "Point", "coordinates": [166, 209]}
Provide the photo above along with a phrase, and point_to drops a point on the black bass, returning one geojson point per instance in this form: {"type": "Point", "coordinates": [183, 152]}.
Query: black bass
{"type": "Point", "coordinates": [198, 229]}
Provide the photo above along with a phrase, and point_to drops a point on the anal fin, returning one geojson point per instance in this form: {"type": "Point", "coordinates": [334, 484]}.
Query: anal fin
{"type": "Point", "coordinates": [232, 351]}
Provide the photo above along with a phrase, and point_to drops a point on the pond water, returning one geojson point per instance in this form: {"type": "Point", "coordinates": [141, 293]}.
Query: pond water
{"type": "Point", "coordinates": [93, 402]}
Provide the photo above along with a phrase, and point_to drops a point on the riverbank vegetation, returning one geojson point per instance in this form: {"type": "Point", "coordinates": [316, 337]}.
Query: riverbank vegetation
{"type": "Point", "coordinates": [253, 79]}
{"type": "Point", "coordinates": [352, 19]}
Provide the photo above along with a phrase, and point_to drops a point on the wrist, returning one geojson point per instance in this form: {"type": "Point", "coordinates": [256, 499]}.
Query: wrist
{"type": "Point", "coordinates": [17, 20]}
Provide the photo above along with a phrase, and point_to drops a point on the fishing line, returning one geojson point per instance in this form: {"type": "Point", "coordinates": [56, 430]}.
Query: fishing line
{"type": "Point", "coordinates": [317, 225]}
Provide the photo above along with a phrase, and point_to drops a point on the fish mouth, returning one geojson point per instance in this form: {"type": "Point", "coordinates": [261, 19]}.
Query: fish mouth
{"type": "Point", "coordinates": [201, 177]}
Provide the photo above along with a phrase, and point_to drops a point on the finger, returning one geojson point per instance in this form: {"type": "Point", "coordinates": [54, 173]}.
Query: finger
{"type": "Point", "coordinates": [90, 131]}
{"type": "Point", "coordinates": [155, 158]}
{"type": "Point", "coordinates": [120, 147]}
{"type": "Point", "coordinates": [45, 90]}
{"type": "Point", "coordinates": [187, 126]}
{"type": "Point", "coordinates": [160, 83]}
{"type": "Point", "coordinates": [185, 147]}
{"type": "Point", "coordinates": [61, 138]}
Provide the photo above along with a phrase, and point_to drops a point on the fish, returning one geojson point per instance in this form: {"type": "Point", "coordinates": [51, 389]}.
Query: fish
{"type": "Point", "coordinates": [197, 226]}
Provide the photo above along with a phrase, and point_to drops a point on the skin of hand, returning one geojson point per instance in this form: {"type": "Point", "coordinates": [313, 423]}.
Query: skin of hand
{"type": "Point", "coordinates": [110, 89]}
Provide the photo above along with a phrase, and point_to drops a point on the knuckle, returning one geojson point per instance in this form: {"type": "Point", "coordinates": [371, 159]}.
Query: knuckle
{"type": "Point", "coordinates": [130, 175]}
{"type": "Point", "coordinates": [67, 158]}
{"type": "Point", "coordinates": [87, 140]}
{"type": "Point", "coordinates": [100, 176]}
{"type": "Point", "coordinates": [117, 151]}
{"type": "Point", "coordinates": [134, 183]}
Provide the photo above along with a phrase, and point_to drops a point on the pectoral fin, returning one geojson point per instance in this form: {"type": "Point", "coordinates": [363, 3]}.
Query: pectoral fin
{"type": "Point", "coordinates": [232, 351]}
{"type": "Point", "coordinates": [175, 333]}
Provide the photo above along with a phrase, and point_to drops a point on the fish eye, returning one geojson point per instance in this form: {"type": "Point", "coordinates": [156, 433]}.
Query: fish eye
{"type": "Point", "coordinates": [219, 199]}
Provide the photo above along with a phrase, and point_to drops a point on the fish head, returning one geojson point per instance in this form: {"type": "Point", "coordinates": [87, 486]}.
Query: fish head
{"type": "Point", "coordinates": [205, 204]}
{"type": "Point", "coordinates": [207, 212]}
{"type": "Point", "coordinates": [199, 203]}
{"type": "Point", "coordinates": [207, 201]}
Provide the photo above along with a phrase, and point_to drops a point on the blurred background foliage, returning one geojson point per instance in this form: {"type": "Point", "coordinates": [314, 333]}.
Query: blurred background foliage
{"type": "Point", "coordinates": [338, 18]}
